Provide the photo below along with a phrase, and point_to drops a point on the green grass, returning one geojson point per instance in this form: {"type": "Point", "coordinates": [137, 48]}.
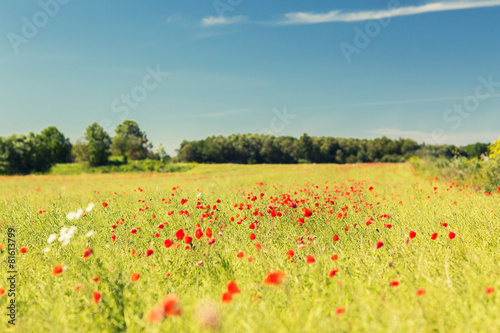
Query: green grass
{"type": "Point", "coordinates": [454, 273]}
{"type": "Point", "coordinates": [130, 167]}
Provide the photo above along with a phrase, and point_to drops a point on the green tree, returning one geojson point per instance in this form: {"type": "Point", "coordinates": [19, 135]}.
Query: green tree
{"type": "Point", "coordinates": [97, 145]}
{"type": "Point", "coordinates": [130, 141]}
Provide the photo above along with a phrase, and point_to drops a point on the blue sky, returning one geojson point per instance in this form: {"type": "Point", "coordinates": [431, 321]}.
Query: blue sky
{"type": "Point", "coordinates": [426, 70]}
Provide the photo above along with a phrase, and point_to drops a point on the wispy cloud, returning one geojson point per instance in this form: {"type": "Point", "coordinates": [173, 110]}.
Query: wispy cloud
{"type": "Point", "coordinates": [221, 20]}
{"type": "Point", "coordinates": [295, 18]}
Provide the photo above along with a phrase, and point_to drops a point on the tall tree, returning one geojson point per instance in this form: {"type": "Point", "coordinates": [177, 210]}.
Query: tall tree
{"type": "Point", "coordinates": [130, 141]}
{"type": "Point", "coordinates": [97, 145]}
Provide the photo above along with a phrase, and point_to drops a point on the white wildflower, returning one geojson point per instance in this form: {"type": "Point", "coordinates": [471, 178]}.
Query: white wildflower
{"type": "Point", "coordinates": [52, 238]}
{"type": "Point", "coordinates": [47, 249]}
{"type": "Point", "coordinates": [71, 215]}
{"type": "Point", "coordinates": [90, 233]}
{"type": "Point", "coordinates": [89, 207]}
{"type": "Point", "coordinates": [79, 213]}
{"type": "Point", "coordinates": [66, 235]}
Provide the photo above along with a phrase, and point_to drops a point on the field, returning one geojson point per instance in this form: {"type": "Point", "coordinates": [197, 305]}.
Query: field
{"type": "Point", "coordinates": [309, 248]}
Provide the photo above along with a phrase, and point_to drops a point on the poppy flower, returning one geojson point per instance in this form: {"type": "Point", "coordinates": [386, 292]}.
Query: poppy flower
{"type": "Point", "coordinates": [208, 233]}
{"type": "Point", "coordinates": [113, 237]}
{"type": "Point", "coordinates": [149, 252]}
{"type": "Point", "coordinates": [257, 246]}
{"type": "Point", "coordinates": [420, 292]}
{"type": "Point", "coordinates": [227, 297]}
{"type": "Point", "coordinates": [379, 244]}
{"type": "Point", "coordinates": [57, 269]}
{"type": "Point", "coordinates": [412, 234]}
{"type": "Point", "coordinates": [250, 259]}
{"type": "Point", "coordinates": [451, 235]}
{"type": "Point", "coordinates": [275, 278]}
{"type": "Point", "coordinates": [252, 236]}
{"type": "Point", "coordinates": [335, 238]}
{"type": "Point", "coordinates": [310, 259]}
{"type": "Point", "coordinates": [135, 276]}
{"type": "Point", "coordinates": [307, 212]}
{"type": "Point", "coordinates": [96, 296]}
{"type": "Point", "coordinates": [188, 239]}
{"type": "Point", "coordinates": [79, 287]}
{"type": "Point", "coordinates": [233, 288]}
{"type": "Point", "coordinates": [394, 283]}
{"type": "Point", "coordinates": [179, 234]}
{"type": "Point", "coordinates": [23, 250]}
{"type": "Point", "coordinates": [2, 291]}
{"type": "Point", "coordinates": [198, 233]}
{"type": "Point", "coordinates": [290, 254]}
{"type": "Point", "coordinates": [104, 204]}
{"type": "Point", "coordinates": [168, 243]}
{"type": "Point", "coordinates": [240, 255]}
{"type": "Point", "coordinates": [339, 311]}
{"type": "Point", "coordinates": [96, 279]}
{"type": "Point", "coordinates": [332, 273]}
{"type": "Point", "coordinates": [171, 305]}
{"type": "Point", "coordinates": [87, 253]}
{"type": "Point", "coordinates": [335, 257]}
{"type": "Point", "coordinates": [434, 236]}
{"type": "Point", "coordinates": [489, 290]}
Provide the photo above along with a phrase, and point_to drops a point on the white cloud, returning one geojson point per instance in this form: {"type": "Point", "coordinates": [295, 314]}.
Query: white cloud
{"type": "Point", "coordinates": [221, 20]}
{"type": "Point", "coordinates": [338, 16]}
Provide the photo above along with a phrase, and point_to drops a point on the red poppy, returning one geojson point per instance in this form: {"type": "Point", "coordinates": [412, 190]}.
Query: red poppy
{"type": "Point", "coordinates": [275, 278]}
{"type": "Point", "coordinates": [420, 292]}
{"type": "Point", "coordinates": [2, 291]}
{"type": "Point", "coordinates": [104, 204]}
{"type": "Point", "coordinates": [233, 288]}
{"type": "Point", "coordinates": [451, 235]}
{"type": "Point", "coordinates": [171, 305]}
{"type": "Point", "coordinates": [208, 233]}
{"type": "Point", "coordinates": [332, 273]}
{"type": "Point", "coordinates": [290, 254]}
{"type": "Point", "coordinates": [250, 259]}
{"type": "Point", "coordinates": [257, 246]}
{"type": "Point", "coordinates": [394, 283]}
{"type": "Point", "coordinates": [135, 276]}
{"type": "Point", "coordinates": [335, 257]}
{"type": "Point", "coordinates": [339, 311]}
{"type": "Point", "coordinates": [307, 212]}
{"type": "Point", "coordinates": [168, 243]}
{"type": "Point", "coordinates": [412, 234]}
{"type": "Point", "coordinates": [240, 255]}
{"type": "Point", "coordinates": [335, 238]}
{"type": "Point", "coordinates": [227, 297]}
{"type": "Point", "coordinates": [96, 279]}
{"type": "Point", "coordinates": [96, 296]}
{"type": "Point", "coordinates": [252, 236]}
{"type": "Point", "coordinates": [434, 236]}
{"type": "Point", "coordinates": [198, 233]}
{"type": "Point", "coordinates": [113, 237]}
{"type": "Point", "coordinates": [310, 259]}
{"type": "Point", "coordinates": [23, 250]}
{"type": "Point", "coordinates": [379, 244]}
{"type": "Point", "coordinates": [179, 234]}
{"type": "Point", "coordinates": [149, 252]}
{"type": "Point", "coordinates": [188, 239]}
{"type": "Point", "coordinates": [87, 253]}
{"type": "Point", "coordinates": [57, 269]}
{"type": "Point", "coordinates": [489, 290]}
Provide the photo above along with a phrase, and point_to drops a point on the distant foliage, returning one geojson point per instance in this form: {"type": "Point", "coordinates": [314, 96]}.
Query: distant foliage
{"type": "Point", "coordinates": [255, 148]}
{"type": "Point", "coordinates": [130, 142]}
{"type": "Point", "coordinates": [95, 148]}
{"type": "Point", "coordinates": [21, 154]}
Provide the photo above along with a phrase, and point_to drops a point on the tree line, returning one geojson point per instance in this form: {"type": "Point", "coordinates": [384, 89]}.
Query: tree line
{"type": "Point", "coordinates": [24, 154]}
{"type": "Point", "coordinates": [257, 148]}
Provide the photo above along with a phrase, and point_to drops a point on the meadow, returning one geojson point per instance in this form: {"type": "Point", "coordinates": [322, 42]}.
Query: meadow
{"type": "Point", "coordinates": [251, 248]}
